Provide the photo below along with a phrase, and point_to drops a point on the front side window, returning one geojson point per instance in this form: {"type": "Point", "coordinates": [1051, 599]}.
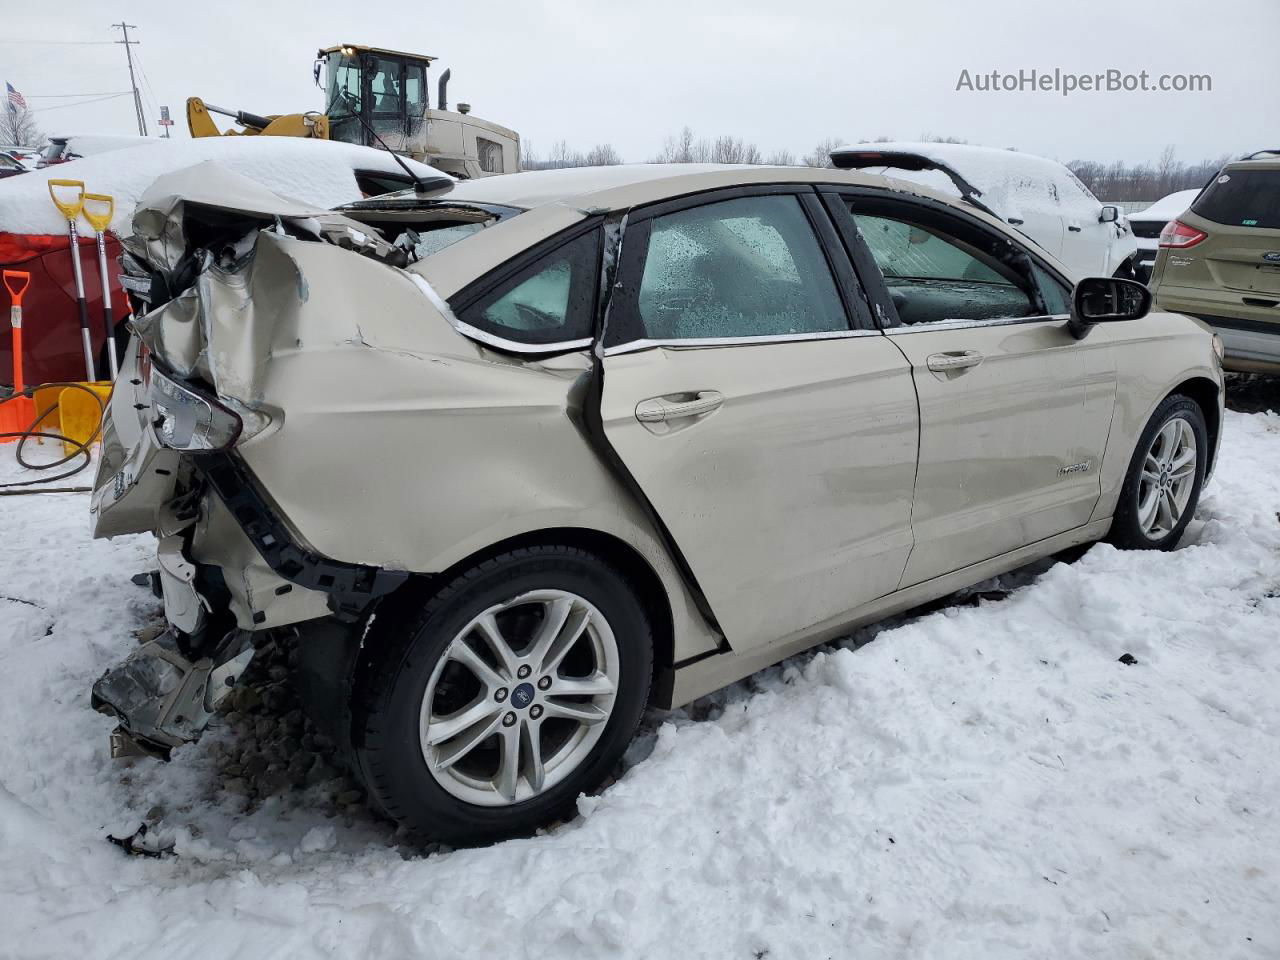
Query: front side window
{"type": "Point", "coordinates": [932, 276]}
{"type": "Point", "coordinates": [749, 267]}
{"type": "Point", "coordinates": [549, 302]}
{"type": "Point", "coordinates": [1056, 295]}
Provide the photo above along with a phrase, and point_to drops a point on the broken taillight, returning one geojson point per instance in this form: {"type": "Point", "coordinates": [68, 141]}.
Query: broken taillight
{"type": "Point", "coordinates": [1177, 235]}
{"type": "Point", "coordinates": [187, 419]}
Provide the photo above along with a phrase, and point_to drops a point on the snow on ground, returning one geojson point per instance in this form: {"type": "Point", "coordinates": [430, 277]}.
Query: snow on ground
{"type": "Point", "coordinates": [984, 781]}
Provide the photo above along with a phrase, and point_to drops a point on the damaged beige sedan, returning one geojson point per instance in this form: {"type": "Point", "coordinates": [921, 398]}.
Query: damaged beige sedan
{"type": "Point", "coordinates": [517, 457]}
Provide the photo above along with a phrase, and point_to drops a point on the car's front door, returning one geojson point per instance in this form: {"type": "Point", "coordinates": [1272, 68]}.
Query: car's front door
{"type": "Point", "coordinates": [1014, 411]}
{"type": "Point", "coordinates": [774, 437]}
{"type": "Point", "coordinates": [1086, 241]}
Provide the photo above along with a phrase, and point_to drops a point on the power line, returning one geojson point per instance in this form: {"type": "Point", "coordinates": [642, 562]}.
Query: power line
{"type": "Point", "coordinates": [63, 96]}
{"type": "Point", "coordinates": [57, 43]}
{"type": "Point", "coordinates": [79, 103]}
{"type": "Point", "coordinates": [147, 90]}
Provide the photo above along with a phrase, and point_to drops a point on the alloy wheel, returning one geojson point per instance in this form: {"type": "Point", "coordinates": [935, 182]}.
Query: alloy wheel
{"type": "Point", "coordinates": [1168, 478]}
{"type": "Point", "coordinates": [519, 698]}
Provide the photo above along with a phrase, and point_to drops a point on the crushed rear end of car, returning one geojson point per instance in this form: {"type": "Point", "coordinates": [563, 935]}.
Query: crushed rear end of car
{"type": "Point", "coordinates": [234, 280]}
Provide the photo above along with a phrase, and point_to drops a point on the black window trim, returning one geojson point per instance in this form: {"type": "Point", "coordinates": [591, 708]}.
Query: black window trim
{"type": "Point", "coordinates": [873, 280]}
{"type": "Point", "coordinates": [624, 333]}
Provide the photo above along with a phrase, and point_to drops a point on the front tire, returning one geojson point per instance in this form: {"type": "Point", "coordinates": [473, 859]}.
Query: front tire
{"type": "Point", "coordinates": [516, 687]}
{"type": "Point", "coordinates": [1162, 488]}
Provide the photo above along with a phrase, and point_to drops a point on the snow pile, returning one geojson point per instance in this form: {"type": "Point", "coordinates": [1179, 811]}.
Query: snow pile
{"type": "Point", "coordinates": [985, 781]}
{"type": "Point", "coordinates": [319, 173]}
{"type": "Point", "coordinates": [1167, 208]}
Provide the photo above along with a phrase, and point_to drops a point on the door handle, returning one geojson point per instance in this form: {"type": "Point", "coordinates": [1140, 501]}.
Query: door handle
{"type": "Point", "coordinates": [945, 362]}
{"type": "Point", "coordinates": [1073, 229]}
{"type": "Point", "coordinates": [664, 409]}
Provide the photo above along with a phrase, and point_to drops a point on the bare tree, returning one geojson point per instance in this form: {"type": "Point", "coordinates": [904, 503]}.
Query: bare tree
{"type": "Point", "coordinates": [1145, 181]}
{"type": "Point", "coordinates": [782, 158]}
{"type": "Point", "coordinates": [682, 148]}
{"type": "Point", "coordinates": [602, 155]}
{"type": "Point", "coordinates": [820, 156]}
{"type": "Point", "coordinates": [18, 127]}
{"type": "Point", "coordinates": [562, 155]}
{"type": "Point", "coordinates": [728, 149]}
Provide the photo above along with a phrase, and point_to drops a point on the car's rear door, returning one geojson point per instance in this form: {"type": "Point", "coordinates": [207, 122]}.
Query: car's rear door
{"type": "Point", "coordinates": [1014, 412]}
{"type": "Point", "coordinates": [770, 426]}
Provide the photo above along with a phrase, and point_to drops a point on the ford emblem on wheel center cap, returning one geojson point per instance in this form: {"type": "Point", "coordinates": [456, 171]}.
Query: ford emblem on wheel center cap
{"type": "Point", "coordinates": [522, 695]}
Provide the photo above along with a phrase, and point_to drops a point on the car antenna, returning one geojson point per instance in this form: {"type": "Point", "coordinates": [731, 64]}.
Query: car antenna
{"type": "Point", "coordinates": [419, 186]}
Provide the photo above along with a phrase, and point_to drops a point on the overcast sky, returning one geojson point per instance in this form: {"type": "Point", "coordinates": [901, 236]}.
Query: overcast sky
{"type": "Point", "coordinates": [779, 74]}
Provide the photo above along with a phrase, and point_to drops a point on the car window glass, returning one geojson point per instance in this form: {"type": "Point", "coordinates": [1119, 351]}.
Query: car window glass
{"type": "Point", "coordinates": [749, 267]}
{"type": "Point", "coordinates": [1057, 298]}
{"type": "Point", "coordinates": [1242, 198]}
{"type": "Point", "coordinates": [933, 277]}
{"type": "Point", "coordinates": [549, 302]}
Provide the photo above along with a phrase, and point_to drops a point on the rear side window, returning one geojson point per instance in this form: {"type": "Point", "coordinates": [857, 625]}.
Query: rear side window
{"type": "Point", "coordinates": [1242, 198]}
{"type": "Point", "coordinates": [748, 267]}
{"type": "Point", "coordinates": [549, 302]}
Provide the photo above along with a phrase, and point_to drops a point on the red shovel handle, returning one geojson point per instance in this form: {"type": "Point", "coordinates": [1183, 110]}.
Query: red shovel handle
{"type": "Point", "coordinates": [16, 290]}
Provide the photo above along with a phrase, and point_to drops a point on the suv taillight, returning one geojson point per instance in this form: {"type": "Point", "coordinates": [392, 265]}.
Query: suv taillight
{"type": "Point", "coordinates": [1178, 235]}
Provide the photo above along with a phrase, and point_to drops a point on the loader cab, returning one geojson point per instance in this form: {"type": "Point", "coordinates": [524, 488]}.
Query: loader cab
{"type": "Point", "coordinates": [388, 89]}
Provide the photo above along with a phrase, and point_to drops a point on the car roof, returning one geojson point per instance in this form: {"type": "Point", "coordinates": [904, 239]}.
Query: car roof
{"type": "Point", "coordinates": [1255, 162]}
{"type": "Point", "coordinates": [622, 186]}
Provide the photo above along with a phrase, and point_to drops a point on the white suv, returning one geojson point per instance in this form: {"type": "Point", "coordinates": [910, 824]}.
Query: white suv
{"type": "Point", "coordinates": [1041, 197]}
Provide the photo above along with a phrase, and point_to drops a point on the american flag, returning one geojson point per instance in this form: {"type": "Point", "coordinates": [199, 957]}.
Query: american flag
{"type": "Point", "coordinates": [16, 100]}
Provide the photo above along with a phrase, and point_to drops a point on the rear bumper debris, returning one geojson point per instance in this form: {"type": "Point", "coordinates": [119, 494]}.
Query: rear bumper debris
{"type": "Point", "coordinates": [163, 699]}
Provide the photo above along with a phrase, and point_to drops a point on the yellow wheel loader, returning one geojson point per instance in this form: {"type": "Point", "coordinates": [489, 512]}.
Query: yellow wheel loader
{"type": "Point", "coordinates": [379, 98]}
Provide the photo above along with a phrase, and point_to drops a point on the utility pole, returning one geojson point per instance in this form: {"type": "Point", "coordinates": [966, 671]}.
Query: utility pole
{"type": "Point", "coordinates": [137, 97]}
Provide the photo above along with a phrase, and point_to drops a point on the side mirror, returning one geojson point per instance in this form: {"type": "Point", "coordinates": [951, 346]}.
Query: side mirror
{"type": "Point", "coordinates": [1110, 213]}
{"type": "Point", "coordinates": [315, 71]}
{"type": "Point", "coordinates": [1106, 300]}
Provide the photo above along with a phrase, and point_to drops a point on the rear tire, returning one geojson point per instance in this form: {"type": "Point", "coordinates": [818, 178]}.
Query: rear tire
{"type": "Point", "coordinates": [1162, 487]}
{"type": "Point", "coordinates": [496, 644]}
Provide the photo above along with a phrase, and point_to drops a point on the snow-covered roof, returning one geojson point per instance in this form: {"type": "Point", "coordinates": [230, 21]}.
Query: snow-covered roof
{"type": "Point", "coordinates": [89, 144]}
{"type": "Point", "coordinates": [1009, 179]}
{"type": "Point", "coordinates": [317, 173]}
{"type": "Point", "coordinates": [1167, 208]}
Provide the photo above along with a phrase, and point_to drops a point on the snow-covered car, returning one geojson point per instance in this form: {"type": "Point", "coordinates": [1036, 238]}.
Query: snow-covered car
{"type": "Point", "coordinates": [518, 457]}
{"type": "Point", "coordinates": [34, 239]}
{"type": "Point", "coordinates": [11, 166]}
{"type": "Point", "coordinates": [1148, 224]}
{"type": "Point", "coordinates": [67, 147]}
{"type": "Point", "coordinates": [1041, 197]}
